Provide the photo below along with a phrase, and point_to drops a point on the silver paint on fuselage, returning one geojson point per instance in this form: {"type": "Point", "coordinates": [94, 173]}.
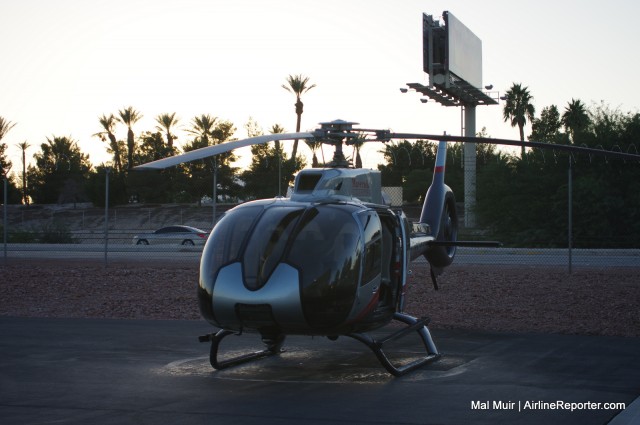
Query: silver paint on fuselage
{"type": "Point", "coordinates": [281, 292]}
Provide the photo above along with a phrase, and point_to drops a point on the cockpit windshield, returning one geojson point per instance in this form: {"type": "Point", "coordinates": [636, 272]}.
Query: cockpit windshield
{"type": "Point", "coordinates": [324, 242]}
{"type": "Point", "coordinates": [265, 248]}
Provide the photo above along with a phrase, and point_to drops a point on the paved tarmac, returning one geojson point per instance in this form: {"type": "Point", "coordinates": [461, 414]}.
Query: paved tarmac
{"type": "Point", "coordinates": [77, 371]}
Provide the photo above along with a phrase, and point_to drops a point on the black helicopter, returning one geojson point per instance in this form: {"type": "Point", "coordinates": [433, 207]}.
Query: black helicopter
{"type": "Point", "coordinates": [332, 259]}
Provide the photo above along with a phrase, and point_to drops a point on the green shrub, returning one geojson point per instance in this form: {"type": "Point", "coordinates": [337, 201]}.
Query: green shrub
{"type": "Point", "coordinates": [55, 232]}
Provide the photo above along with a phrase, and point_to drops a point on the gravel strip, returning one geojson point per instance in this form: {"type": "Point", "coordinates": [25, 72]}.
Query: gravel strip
{"type": "Point", "coordinates": [489, 298]}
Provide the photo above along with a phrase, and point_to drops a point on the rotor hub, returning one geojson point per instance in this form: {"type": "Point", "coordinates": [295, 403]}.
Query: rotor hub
{"type": "Point", "coordinates": [336, 133]}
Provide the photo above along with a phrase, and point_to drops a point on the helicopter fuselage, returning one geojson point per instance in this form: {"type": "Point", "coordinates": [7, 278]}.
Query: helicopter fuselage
{"type": "Point", "coordinates": [321, 262]}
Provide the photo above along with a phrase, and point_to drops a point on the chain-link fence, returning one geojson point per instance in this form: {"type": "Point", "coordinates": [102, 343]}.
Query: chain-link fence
{"type": "Point", "coordinates": [126, 232]}
{"type": "Point", "coordinates": [134, 232]}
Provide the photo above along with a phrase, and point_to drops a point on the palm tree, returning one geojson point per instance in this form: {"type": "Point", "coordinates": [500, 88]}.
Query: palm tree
{"type": "Point", "coordinates": [357, 144]}
{"type": "Point", "coordinates": [518, 108]}
{"type": "Point", "coordinates": [5, 126]}
{"type": "Point", "coordinates": [575, 118]}
{"type": "Point", "coordinates": [209, 131]}
{"type": "Point", "coordinates": [277, 129]}
{"type": "Point", "coordinates": [129, 117]}
{"type": "Point", "coordinates": [24, 146]}
{"type": "Point", "coordinates": [202, 127]}
{"type": "Point", "coordinates": [165, 122]}
{"type": "Point", "coordinates": [5, 165]}
{"type": "Point", "coordinates": [108, 123]}
{"type": "Point", "coordinates": [298, 85]}
{"type": "Point", "coordinates": [314, 145]}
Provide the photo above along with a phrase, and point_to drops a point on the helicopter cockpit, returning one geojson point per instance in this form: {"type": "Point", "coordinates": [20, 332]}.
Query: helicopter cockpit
{"type": "Point", "coordinates": [286, 266]}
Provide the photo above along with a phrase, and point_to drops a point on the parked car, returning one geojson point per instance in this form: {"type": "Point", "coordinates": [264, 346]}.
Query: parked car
{"type": "Point", "coordinates": [183, 235]}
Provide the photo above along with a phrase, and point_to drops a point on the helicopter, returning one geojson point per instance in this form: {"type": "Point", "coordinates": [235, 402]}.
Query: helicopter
{"type": "Point", "coordinates": [332, 259]}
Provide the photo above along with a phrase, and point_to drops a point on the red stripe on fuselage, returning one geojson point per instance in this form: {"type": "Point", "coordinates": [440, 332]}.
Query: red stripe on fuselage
{"type": "Point", "coordinates": [369, 308]}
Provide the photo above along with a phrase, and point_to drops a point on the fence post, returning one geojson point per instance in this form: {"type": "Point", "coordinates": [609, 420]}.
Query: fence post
{"type": "Point", "coordinates": [214, 193]}
{"type": "Point", "coordinates": [106, 214]}
{"type": "Point", "coordinates": [5, 224]}
{"type": "Point", "coordinates": [570, 216]}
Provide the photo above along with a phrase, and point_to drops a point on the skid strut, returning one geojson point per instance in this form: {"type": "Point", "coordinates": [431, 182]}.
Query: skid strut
{"type": "Point", "coordinates": [413, 324]}
{"type": "Point", "coordinates": [273, 347]}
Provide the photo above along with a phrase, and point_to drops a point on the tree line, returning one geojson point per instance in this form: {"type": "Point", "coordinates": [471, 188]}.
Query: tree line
{"type": "Point", "coordinates": [523, 200]}
{"type": "Point", "coordinates": [62, 173]}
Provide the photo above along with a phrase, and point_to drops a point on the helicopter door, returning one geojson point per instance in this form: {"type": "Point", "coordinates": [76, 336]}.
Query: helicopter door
{"type": "Point", "coordinates": [379, 282]}
{"type": "Point", "coordinates": [389, 284]}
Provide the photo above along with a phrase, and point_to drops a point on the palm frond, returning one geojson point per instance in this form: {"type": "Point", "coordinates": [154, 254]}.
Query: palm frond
{"type": "Point", "coordinates": [5, 126]}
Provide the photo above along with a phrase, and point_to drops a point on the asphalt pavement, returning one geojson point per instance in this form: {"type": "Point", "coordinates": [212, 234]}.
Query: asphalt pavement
{"type": "Point", "coordinates": [80, 371]}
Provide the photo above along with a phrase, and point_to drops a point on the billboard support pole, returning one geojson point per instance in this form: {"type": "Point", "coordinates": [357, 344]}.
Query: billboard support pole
{"type": "Point", "coordinates": [469, 167]}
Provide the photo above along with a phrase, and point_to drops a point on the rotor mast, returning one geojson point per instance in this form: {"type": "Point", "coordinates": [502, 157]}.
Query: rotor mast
{"type": "Point", "coordinates": [336, 133]}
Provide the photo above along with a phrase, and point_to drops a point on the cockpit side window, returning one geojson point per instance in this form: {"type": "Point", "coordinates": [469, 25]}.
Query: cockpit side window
{"type": "Point", "coordinates": [228, 237]}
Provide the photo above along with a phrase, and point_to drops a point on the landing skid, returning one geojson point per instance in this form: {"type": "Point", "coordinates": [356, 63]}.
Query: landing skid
{"type": "Point", "coordinates": [413, 324]}
{"type": "Point", "coordinates": [273, 347]}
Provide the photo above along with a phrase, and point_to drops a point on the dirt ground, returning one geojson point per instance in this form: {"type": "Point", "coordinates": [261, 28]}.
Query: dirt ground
{"type": "Point", "coordinates": [490, 298]}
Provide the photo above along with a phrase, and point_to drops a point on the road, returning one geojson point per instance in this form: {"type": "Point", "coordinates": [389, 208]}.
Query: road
{"type": "Point", "coordinates": [464, 256]}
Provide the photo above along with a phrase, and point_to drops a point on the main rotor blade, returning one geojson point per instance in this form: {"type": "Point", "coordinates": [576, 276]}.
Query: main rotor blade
{"type": "Point", "coordinates": [508, 142]}
{"type": "Point", "coordinates": [218, 149]}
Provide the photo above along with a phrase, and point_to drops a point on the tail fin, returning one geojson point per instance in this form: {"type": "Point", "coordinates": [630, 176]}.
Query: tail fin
{"type": "Point", "coordinates": [439, 212]}
{"type": "Point", "coordinates": [434, 199]}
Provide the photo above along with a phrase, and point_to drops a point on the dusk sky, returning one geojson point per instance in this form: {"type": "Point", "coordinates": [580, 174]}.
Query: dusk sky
{"type": "Point", "coordinates": [67, 62]}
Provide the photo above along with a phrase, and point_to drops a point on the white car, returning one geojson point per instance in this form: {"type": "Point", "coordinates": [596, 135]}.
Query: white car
{"type": "Point", "coordinates": [182, 235]}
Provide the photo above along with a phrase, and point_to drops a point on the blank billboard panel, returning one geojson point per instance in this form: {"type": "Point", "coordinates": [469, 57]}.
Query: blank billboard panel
{"type": "Point", "coordinates": [464, 51]}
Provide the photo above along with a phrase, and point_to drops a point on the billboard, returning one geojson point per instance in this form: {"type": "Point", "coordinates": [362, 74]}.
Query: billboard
{"type": "Point", "coordinates": [464, 51]}
{"type": "Point", "coordinates": [451, 49]}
